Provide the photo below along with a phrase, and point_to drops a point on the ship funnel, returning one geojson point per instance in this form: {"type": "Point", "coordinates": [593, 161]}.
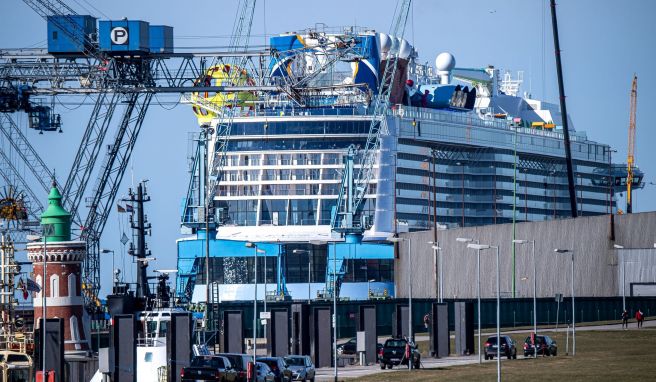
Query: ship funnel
{"type": "Point", "coordinates": [444, 63]}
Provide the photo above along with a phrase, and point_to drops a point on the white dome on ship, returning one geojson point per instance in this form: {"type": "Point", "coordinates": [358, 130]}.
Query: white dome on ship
{"type": "Point", "coordinates": [396, 43]}
{"type": "Point", "coordinates": [385, 42]}
{"type": "Point", "coordinates": [405, 49]}
{"type": "Point", "coordinates": [445, 62]}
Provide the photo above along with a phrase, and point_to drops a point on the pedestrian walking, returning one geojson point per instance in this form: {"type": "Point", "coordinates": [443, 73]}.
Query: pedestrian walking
{"type": "Point", "coordinates": [640, 317]}
{"type": "Point", "coordinates": [625, 319]}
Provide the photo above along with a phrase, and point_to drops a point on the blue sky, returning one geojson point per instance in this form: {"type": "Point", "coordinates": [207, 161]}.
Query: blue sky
{"type": "Point", "coordinates": [604, 42]}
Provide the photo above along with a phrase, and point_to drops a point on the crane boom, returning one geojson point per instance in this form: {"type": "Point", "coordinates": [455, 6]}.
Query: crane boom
{"type": "Point", "coordinates": [344, 218]}
{"type": "Point", "coordinates": [630, 161]}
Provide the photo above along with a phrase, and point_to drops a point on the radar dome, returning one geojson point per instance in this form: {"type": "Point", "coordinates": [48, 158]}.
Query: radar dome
{"type": "Point", "coordinates": [445, 62]}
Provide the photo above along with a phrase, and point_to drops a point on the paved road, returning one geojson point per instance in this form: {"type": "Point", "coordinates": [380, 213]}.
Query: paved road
{"type": "Point", "coordinates": [327, 373]}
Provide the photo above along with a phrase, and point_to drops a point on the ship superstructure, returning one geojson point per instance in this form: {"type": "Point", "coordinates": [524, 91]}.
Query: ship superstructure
{"type": "Point", "coordinates": [463, 148]}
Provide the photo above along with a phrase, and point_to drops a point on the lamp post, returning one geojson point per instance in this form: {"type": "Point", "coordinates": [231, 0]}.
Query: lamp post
{"type": "Point", "coordinates": [624, 262]}
{"type": "Point", "coordinates": [478, 287]}
{"type": "Point", "coordinates": [573, 304]}
{"type": "Point", "coordinates": [254, 246]}
{"type": "Point", "coordinates": [535, 289]}
{"type": "Point", "coordinates": [408, 267]}
{"type": "Point", "coordinates": [112, 252]}
{"type": "Point", "coordinates": [321, 242]}
{"type": "Point", "coordinates": [610, 180]}
{"type": "Point", "coordinates": [437, 255]}
{"type": "Point", "coordinates": [479, 247]}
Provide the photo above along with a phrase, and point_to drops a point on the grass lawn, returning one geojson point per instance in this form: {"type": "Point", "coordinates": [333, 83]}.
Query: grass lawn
{"type": "Point", "coordinates": [614, 355]}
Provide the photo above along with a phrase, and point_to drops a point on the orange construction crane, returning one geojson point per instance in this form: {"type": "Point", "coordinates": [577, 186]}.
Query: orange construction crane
{"type": "Point", "coordinates": [631, 148]}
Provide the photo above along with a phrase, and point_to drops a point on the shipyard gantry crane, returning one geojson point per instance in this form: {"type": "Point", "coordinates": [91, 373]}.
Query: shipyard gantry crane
{"type": "Point", "coordinates": [128, 80]}
{"type": "Point", "coordinates": [630, 160]}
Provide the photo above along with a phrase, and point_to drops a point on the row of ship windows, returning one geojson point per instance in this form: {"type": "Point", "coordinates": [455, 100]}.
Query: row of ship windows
{"type": "Point", "coordinates": [284, 190]}
{"type": "Point", "coordinates": [240, 270]}
{"type": "Point", "coordinates": [280, 211]}
{"type": "Point", "coordinates": [301, 127]}
{"type": "Point", "coordinates": [327, 143]}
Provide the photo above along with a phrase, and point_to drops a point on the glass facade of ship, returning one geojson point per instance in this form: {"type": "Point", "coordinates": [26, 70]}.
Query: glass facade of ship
{"type": "Point", "coordinates": [287, 171]}
{"type": "Point", "coordinates": [283, 173]}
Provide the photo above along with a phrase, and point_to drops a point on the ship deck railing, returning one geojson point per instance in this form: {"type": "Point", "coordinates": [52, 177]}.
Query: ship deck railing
{"type": "Point", "coordinates": [472, 119]}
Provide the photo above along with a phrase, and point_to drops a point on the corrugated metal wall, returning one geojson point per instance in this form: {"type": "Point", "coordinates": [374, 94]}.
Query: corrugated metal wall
{"type": "Point", "coordinates": [595, 259]}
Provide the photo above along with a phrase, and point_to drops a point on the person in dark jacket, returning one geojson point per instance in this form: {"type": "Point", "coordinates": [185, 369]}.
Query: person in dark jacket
{"type": "Point", "coordinates": [625, 319]}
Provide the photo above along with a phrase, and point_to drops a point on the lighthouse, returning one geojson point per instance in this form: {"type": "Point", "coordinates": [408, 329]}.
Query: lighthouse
{"type": "Point", "coordinates": [61, 279]}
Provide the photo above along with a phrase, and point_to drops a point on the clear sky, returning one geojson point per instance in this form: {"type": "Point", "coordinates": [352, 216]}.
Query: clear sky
{"type": "Point", "coordinates": [604, 43]}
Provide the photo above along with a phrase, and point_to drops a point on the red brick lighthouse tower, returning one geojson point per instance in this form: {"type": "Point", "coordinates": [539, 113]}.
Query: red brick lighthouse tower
{"type": "Point", "coordinates": [63, 272]}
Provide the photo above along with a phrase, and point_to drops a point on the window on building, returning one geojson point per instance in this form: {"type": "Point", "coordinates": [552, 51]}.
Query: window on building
{"type": "Point", "coordinates": [54, 286]}
{"type": "Point", "coordinates": [72, 285]}
{"type": "Point", "coordinates": [75, 330]}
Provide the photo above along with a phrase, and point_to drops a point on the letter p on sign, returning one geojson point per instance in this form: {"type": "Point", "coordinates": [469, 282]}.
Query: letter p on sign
{"type": "Point", "coordinates": [119, 36]}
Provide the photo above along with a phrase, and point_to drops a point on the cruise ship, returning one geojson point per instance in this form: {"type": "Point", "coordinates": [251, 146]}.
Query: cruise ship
{"type": "Point", "coordinates": [463, 147]}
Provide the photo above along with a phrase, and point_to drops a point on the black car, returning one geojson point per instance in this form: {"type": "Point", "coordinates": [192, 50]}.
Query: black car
{"type": "Point", "coordinates": [545, 345]}
{"type": "Point", "coordinates": [394, 354]}
{"type": "Point", "coordinates": [350, 347]}
{"type": "Point", "coordinates": [209, 368]}
{"type": "Point", "coordinates": [239, 363]}
{"type": "Point", "coordinates": [508, 347]}
{"type": "Point", "coordinates": [279, 368]}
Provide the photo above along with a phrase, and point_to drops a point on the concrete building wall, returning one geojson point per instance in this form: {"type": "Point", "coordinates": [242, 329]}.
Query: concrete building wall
{"type": "Point", "coordinates": [590, 238]}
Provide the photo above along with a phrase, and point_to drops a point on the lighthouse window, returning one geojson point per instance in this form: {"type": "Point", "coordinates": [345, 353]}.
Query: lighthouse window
{"type": "Point", "coordinates": [54, 286]}
{"type": "Point", "coordinates": [72, 288]}
{"type": "Point", "coordinates": [75, 333]}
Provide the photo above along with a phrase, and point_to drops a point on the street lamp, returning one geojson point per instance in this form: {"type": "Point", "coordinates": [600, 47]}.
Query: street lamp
{"type": "Point", "coordinates": [254, 246]}
{"type": "Point", "coordinates": [112, 252]}
{"type": "Point", "coordinates": [624, 262]}
{"type": "Point", "coordinates": [535, 291]}
{"type": "Point", "coordinates": [408, 267]}
{"type": "Point", "coordinates": [480, 247]}
{"type": "Point", "coordinates": [437, 250]}
{"type": "Point", "coordinates": [573, 304]}
{"type": "Point", "coordinates": [321, 242]}
{"type": "Point", "coordinates": [478, 287]}
{"type": "Point", "coordinates": [300, 251]}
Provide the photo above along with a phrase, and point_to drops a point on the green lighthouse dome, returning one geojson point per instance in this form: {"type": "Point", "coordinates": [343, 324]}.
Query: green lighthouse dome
{"type": "Point", "coordinates": [56, 216]}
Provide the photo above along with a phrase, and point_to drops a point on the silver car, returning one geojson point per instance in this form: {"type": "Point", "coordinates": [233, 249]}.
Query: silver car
{"type": "Point", "coordinates": [301, 366]}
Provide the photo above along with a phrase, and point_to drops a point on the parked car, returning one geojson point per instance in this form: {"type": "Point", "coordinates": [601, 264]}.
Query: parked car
{"type": "Point", "coordinates": [350, 347]}
{"type": "Point", "coordinates": [239, 363]}
{"type": "Point", "coordinates": [264, 373]}
{"type": "Point", "coordinates": [545, 345]}
{"type": "Point", "coordinates": [301, 366]}
{"type": "Point", "coordinates": [209, 368]}
{"type": "Point", "coordinates": [279, 368]}
{"type": "Point", "coordinates": [393, 354]}
{"type": "Point", "coordinates": [508, 347]}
